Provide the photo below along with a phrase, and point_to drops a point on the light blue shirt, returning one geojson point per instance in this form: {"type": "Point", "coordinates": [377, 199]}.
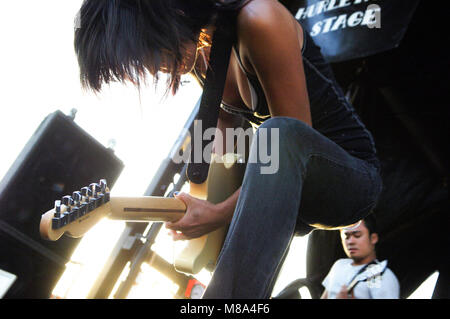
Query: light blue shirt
{"type": "Point", "coordinates": [384, 287]}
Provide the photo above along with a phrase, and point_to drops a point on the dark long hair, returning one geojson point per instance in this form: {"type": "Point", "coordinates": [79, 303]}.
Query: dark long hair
{"type": "Point", "coordinates": [119, 40]}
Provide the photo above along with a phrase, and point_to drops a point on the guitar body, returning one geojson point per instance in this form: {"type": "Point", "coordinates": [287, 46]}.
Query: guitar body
{"type": "Point", "coordinates": [224, 178]}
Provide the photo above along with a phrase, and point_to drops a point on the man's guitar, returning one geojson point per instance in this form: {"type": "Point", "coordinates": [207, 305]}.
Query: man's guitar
{"type": "Point", "coordinates": [371, 274]}
{"type": "Point", "coordinates": [75, 215]}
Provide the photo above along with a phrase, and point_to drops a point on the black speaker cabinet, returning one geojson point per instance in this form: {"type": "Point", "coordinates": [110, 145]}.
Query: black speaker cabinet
{"type": "Point", "coordinates": [58, 159]}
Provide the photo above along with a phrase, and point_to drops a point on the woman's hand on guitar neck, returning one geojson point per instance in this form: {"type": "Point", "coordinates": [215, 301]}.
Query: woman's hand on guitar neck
{"type": "Point", "coordinates": [201, 218]}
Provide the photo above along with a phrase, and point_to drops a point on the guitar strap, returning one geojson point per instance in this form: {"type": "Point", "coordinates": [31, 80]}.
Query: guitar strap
{"type": "Point", "coordinates": [361, 271]}
{"type": "Point", "coordinates": [208, 114]}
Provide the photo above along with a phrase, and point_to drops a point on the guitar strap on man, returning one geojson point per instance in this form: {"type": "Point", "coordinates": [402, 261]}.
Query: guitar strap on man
{"type": "Point", "coordinates": [208, 114]}
{"type": "Point", "coordinates": [375, 261]}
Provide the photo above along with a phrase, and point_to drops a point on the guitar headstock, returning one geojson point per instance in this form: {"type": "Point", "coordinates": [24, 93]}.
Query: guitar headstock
{"type": "Point", "coordinates": [77, 213]}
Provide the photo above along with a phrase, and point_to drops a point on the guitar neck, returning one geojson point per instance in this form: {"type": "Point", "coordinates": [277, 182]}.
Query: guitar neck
{"type": "Point", "coordinates": [146, 208]}
{"type": "Point", "coordinates": [75, 215]}
{"type": "Point", "coordinates": [131, 209]}
{"type": "Point", "coordinates": [373, 270]}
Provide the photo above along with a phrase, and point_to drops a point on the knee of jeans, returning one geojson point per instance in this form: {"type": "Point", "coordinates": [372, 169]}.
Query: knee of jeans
{"type": "Point", "coordinates": [285, 123]}
{"type": "Point", "coordinates": [288, 129]}
{"type": "Point", "coordinates": [277, 122]}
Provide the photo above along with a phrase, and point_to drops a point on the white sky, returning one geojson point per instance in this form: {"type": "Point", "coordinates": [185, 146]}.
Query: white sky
{"type": "Point", "coordinates": [40, 76]}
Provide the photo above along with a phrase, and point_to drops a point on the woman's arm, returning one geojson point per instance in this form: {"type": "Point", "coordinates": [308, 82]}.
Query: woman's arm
{"type": "Point", "coordinates": [201, 216]}
{"type": "Point", "coordinates": [270, 43]}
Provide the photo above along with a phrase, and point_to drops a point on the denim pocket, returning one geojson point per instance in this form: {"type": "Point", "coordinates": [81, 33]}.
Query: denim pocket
{"type": "Point", "coordinates": [335, 195]}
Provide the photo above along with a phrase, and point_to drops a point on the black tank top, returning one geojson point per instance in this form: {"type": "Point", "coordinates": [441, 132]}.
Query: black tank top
{"type": "Point", "coordinates": [332, 115]}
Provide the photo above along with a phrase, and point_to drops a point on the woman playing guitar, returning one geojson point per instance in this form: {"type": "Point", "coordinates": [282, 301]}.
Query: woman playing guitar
{"type": "Point", "coordinates": [328, 173]}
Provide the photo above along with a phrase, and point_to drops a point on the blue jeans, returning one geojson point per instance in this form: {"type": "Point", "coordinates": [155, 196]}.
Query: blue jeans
{"type": "Point", "coordinates": [317, 183]}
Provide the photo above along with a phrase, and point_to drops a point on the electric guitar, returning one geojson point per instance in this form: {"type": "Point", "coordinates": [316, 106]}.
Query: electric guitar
{"type": "Point", "coordinates": [75, 215]}
{"type": "Point", "coordinates": [369, 274]}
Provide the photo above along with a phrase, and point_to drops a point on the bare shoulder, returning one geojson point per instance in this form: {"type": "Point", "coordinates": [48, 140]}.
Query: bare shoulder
{"type": "Point", "coordinates": [262, 15]}
{"type": "Point", "coordinates": [267, 23]}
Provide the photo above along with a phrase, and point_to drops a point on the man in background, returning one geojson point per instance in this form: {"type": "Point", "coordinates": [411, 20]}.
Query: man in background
{"type": "Point", "coordinates": [361, 275]}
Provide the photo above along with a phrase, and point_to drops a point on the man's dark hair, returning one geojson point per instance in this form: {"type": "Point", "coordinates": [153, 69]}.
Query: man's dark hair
{"type": "Point", "coordinates": [119, 40]}
{"type": "Point", "coordinates": [371, 224]}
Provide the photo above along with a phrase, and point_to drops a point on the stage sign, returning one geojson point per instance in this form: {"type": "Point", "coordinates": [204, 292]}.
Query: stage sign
{"type": "Point", "coordinates": [350, 29]}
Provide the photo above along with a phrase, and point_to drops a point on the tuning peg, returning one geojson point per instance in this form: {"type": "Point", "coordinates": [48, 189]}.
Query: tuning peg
{"type": "Point", "coordinates": [95, 188]}
{"type": "Point", "coordinates": [56, 223]}
{"type": "Point", "coordinates": [77, 197]}
{"type": "Point", "coordinates": [103, 185]}
{"type": "Point", "coordinates": [56, 220]}
{"type": "Point", "coordinates": [57, 209]}
{"type": "Point", "coordinates": [86, 192]}
{"type": "Point", "coordinates": [67, 200]}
